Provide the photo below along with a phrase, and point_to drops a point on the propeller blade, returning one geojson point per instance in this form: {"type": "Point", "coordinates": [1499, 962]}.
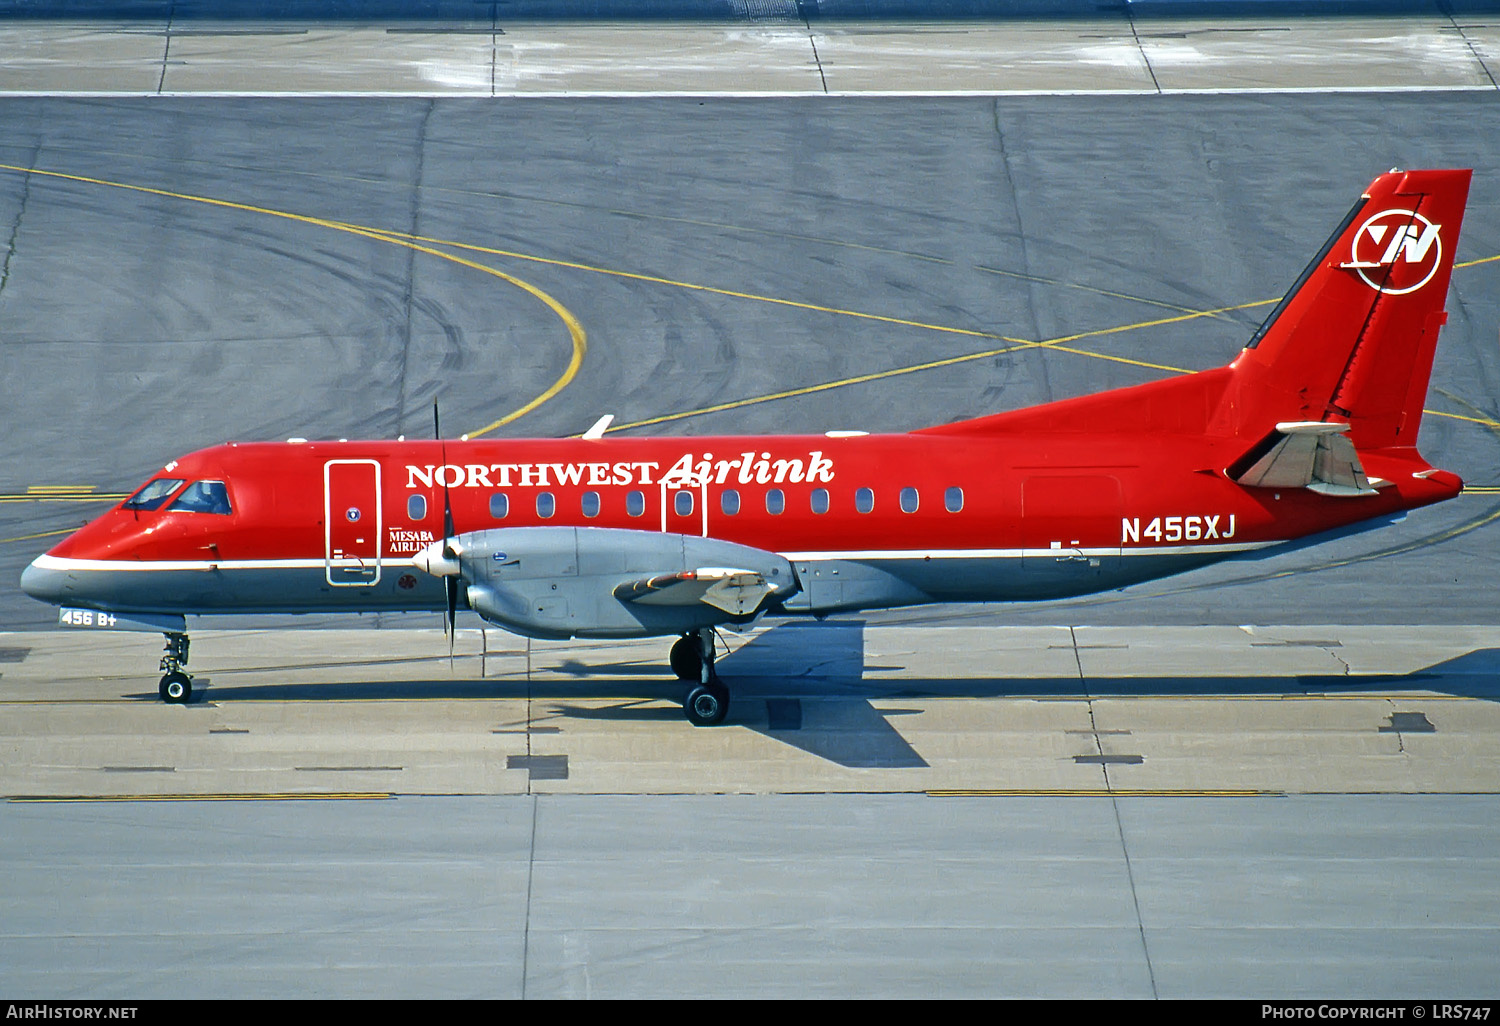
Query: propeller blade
{"type": "Point", "coordinates": [449, 550]}
{"type": "Point", "coordinates": [451, 626]}
{"type": "Point", "coordinates": [448, 531]}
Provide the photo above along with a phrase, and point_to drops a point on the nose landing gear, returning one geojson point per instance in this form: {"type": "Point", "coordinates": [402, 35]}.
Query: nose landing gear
{"type": "Point", "coordinates": [176, 686]}
{"type": "Point", "coordinates": [692, 658]}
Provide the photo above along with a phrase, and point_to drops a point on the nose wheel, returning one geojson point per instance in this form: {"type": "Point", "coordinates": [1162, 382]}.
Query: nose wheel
{"type": "Point", "coordinates": [176, 686]}
{"type": "Point", "coordinates": [692, 658]}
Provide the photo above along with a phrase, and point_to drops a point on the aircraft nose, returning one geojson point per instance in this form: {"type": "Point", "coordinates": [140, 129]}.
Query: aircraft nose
{"type": "Point", "coordinates": [45, 580]}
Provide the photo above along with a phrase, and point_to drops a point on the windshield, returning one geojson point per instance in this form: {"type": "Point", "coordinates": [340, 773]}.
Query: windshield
{"type": "Point", "coordinates": [202, 497]}
{"type": "Point", "coordinates": [153, 494]}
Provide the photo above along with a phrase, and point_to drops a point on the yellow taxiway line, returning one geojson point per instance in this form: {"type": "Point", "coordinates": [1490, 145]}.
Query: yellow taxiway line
{"type": "Point", "coordinates": [288, 796]}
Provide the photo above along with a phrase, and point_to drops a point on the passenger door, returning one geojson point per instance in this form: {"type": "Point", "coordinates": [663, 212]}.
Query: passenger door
{"type": "Point", "coordinates": [352, 529]}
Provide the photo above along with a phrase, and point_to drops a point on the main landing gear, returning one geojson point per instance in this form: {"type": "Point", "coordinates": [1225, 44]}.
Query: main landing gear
{"type": "Point", "coordinates": [692, 659]}
{"type": "Point", "coordinates": [176, 686]}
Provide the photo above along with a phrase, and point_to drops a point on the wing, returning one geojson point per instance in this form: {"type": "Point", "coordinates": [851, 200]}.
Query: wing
{"type": "Point", "coordinates": [550, 582]}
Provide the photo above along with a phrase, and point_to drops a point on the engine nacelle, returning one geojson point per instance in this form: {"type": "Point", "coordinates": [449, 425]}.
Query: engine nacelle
{"type": "Point", "coordinates": [564, 582]}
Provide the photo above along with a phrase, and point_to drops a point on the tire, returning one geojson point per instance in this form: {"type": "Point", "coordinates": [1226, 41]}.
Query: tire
{"type": "Point", "coordinates": [707, 705]}
{"type": "Point", "coordinates": [176, 688]}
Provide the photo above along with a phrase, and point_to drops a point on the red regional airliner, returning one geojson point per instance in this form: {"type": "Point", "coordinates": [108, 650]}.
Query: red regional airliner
{"type": "Point", "coordinates": [1311, 429]}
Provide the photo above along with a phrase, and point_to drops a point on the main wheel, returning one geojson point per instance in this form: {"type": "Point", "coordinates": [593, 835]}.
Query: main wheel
{"type": "Point", "coordinates": [687, 657]}
{"type": "Point", "coordinates": [707, 705]}
{"type": "Point", "coordinates": [176, 687]}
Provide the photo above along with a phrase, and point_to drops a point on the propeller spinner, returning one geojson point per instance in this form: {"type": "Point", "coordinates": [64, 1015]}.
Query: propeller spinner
{"type": "Point", "coordinates": [440, 559]}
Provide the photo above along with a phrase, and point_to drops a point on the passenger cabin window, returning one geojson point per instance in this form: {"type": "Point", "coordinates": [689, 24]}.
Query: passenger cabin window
{"type": "Point", "coordinates": [819, 500]}
{"type": "Point", "coordinates": [154, 493]}
{"type": "Point", "coordinates": [909, 500]}
{"type": "Point", "coordinates": [416, 507]}
{"type": "Point", "coordinates": [682, 502]}
{"type": "Point", "coordinates": [953, 499]}
{"type": "Point", "coordinates": [590, 504]}
{"type": "Point", "coordinates": [546, 505]}
{"type": "Point", "coordinates": [202, 497]}
{"type": "Point", "coordinates": [864, 500]}
{"type": "Point", "coordinates": [635, 503]}
{"type": "Point", "coordinates": [729, 502]}
{"type": "Point", "coordinates": [499, 505]}
{"type": "Point", "coordinates": [775, 501]}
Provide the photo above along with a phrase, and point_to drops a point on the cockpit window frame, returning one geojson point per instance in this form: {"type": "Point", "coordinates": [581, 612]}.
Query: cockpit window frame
{"type": "Point", "coordinates": [141, 502]}
{"type": "Point", "coordinates": [209, 500]}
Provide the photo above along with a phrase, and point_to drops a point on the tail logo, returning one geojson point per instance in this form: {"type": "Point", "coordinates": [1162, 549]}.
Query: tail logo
{"type": "Point", "coordinates": [1396, 251]}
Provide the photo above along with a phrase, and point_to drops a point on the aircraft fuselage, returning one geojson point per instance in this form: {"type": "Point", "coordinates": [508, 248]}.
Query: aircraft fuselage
{"type": "Point", "coordinates": [864, 521]}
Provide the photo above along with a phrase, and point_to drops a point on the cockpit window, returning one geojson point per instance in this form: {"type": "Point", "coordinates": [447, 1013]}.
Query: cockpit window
{"type": "Point", "coordinates": [154, 493]}
{"type": "Point", "coordinates": [202, 497]}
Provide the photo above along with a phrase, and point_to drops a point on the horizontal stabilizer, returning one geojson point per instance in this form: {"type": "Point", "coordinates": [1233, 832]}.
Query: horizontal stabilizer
{"type": "Point", "coordinates": [737, 592]}
{"type": "Point", "coordinates": [1315, 455]}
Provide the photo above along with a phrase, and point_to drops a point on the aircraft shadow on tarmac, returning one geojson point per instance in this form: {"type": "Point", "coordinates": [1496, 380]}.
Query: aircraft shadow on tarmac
{"type": "Point", "coordinates": [805, 685]}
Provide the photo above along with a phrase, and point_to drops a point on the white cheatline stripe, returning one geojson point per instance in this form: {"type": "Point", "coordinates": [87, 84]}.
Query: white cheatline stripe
{"type": "Point", "coordinates": [1129, 550]}
{"type": "Point", "coordinates": [46, 562]}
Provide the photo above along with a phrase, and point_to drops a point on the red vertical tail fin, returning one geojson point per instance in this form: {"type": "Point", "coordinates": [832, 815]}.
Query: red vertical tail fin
{"type": "Point", "coordinates": [1353, 340]}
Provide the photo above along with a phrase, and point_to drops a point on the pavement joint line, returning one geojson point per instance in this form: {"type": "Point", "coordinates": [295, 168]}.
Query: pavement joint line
{"type": "Point", "coordinates": [1447, 9]}
{"type": "Point", "coordinates": [813, 43]}
{"type": "Point", "coordinates": [686, 94]}
{"type": "Point", "coordinates": [1135, 34]}
{"type": "Point", "coordinates": [166, 51]}
{"type": "Point", "coordinates": [939, 793]}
